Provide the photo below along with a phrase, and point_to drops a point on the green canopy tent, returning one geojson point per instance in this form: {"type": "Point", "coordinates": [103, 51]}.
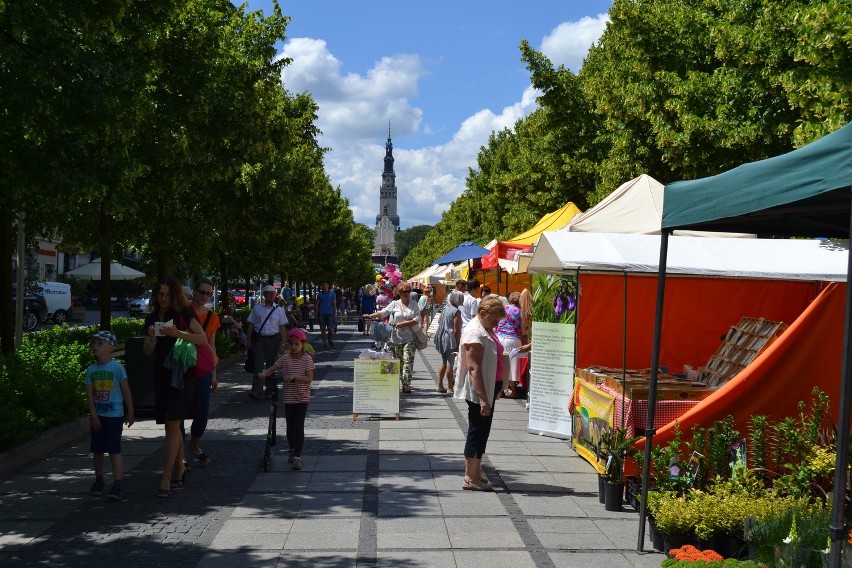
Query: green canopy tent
{"type": "Point", "coordinates": [806, 193]}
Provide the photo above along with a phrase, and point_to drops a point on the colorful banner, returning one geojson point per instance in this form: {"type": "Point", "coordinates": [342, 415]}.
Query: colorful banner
{"type": "Point", "coordinates": [594, 413]}
{"type": "Point", "coordinates": [376, 387]}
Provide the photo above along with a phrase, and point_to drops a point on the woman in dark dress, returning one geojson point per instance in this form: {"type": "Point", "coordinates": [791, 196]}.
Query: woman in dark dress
{"type": "Point", "coordinates": [172, 405]}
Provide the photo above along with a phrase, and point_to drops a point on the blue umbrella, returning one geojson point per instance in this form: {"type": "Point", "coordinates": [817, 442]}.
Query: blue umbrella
{"type": "Point", "coordinates": [465, 251]}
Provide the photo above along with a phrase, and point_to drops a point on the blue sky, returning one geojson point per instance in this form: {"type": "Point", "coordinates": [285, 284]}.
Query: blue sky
{"type": "Point", "coordinates": [445, 74]}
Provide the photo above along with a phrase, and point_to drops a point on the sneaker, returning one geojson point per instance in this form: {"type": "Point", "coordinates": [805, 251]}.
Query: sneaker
{"type": "Point", "coordinates": [290, 456]}
{"type": "Point", "coordinates": [115, 495]}
{"type": "Point", "coordinates": [297, 463]}
{"type": "Point", "coordinates": [97, 489]}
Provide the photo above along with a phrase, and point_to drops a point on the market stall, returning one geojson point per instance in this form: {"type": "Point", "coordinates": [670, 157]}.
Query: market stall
{"type": "Point", "coordinates": [714, 283]}
{"type": "Point", "coordinates": [805, 192]}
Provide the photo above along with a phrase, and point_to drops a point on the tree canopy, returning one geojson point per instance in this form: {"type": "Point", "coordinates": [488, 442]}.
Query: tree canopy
{"type": "Point", "coordinates": [677, 89]}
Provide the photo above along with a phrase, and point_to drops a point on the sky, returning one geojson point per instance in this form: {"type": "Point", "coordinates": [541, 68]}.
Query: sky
{"type": "Point", "coordinates": [442, 75]}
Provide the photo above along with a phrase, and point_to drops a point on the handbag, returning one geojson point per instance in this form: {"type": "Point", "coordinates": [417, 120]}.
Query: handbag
{"type": "Point", "coordinates": [361, 324]}
{"type": "Point", "coordinates": [421, 340]}
{"type": "Point", "coordinates": [205, 360]}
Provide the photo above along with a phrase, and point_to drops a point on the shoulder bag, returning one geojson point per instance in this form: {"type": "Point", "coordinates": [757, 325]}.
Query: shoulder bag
{"type": "Point", "coordinates": [249, 364]}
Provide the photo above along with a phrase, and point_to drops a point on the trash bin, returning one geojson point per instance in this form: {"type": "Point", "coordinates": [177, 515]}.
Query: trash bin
{"type": "Point", "coordinates": [140, 376]}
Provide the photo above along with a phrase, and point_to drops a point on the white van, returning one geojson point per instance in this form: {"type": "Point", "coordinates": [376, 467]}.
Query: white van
{"type": "Point", "coordinates": [58, 298]}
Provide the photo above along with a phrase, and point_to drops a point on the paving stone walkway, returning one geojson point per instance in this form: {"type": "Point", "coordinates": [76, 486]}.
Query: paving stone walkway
{"type": "Point", "coordinates": [374, 491]}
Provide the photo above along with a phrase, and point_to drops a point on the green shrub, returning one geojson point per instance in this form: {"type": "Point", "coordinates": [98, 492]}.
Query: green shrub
{"type": "Point", "coordinates": [727, 563]}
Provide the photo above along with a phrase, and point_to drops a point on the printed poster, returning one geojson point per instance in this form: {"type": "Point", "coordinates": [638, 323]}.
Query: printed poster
{"type": "Point", "coordinates": [551, 379]}
{"type": "Point", "coordinates": [376, 386]}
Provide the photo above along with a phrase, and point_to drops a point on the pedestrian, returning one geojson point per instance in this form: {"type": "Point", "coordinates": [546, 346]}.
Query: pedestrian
{"type": "Point", "coordinates": [267, 334]}
{"type": "Point", "coordinates": [208, 383]}
{"type": "Point", "coordinates": [469, 307]}
{"type": "Point", "coordinates": [175, 392]}
{"type": "Point", "coordinates": [298, 369]}
{"type": "Point", "coordinates": [447, 339]}
{"type": "Point", "coordinates": [107, 392]}
{"type": "Point", "coordinates": [368, 306]}
{"type": "Point", "coordinates": [327, 301]}
{"type": "Point", "coordinates": [403, 317]}
{"type": "Point", "coordinates": [478, 382]}
{"type": "Point", "coordinates": [425, 305]}
{"type": "Point", "coordinates": [509, 332]}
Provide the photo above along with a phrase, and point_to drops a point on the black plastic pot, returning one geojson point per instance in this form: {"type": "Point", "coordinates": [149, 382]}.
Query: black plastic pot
{"type": "Point", "coordinates": [601, 481]}
{"type": "Point", "coordinates": [613, 496]}
{"type": "Point", "coordinates": [671, 541]}
{"type": "Point", "coordinates": [656, 536]}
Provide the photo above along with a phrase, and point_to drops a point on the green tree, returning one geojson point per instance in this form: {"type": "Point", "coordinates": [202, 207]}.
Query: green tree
{"type": "Point", "coordinates": [407, 239]}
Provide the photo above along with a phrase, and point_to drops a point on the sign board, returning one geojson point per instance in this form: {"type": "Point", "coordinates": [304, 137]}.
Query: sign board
{"type": "Point", "coordinates": [376, 387]}
{"type": "Point", "coordinates": [551, 379]}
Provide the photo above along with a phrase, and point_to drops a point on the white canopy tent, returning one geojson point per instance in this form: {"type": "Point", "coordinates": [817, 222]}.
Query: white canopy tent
{"type": "Point", "coordinates": [634, 207]}
{"type": "Point", "coordinates": [782, 259]}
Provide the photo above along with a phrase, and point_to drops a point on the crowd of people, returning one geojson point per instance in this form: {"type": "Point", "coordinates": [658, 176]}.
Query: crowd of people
{"type": "Point", "coordinates": [476, 333]}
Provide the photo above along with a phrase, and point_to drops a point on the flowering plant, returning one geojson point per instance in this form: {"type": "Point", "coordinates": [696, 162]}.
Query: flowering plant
{"type": "Point", "coordinates": [689, 552]}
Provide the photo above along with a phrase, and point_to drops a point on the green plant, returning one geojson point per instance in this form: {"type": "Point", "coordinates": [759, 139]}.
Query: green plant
{"type": "Point", "coordinates": [675, 514]}
{"type": "Point", "coordinates": [618, 446]}
{"type": "Point", "coordinates": [774, 525]}
{"type": "Point", "coordinates": [758, 444]}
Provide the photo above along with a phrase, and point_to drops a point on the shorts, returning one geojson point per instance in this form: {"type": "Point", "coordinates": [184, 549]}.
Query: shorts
{"type": "Point", "coordinates": [326, 322]}
{"type": "Point", "coordinates": [448, 358]}
{"type": "Point", "coordinates": [108, 440]}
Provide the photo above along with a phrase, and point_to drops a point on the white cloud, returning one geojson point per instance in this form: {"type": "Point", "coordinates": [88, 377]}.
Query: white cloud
{"type": "Point", "coordinates": [569, 42]}
{"type": "Point", "coordinates": [354, 110]}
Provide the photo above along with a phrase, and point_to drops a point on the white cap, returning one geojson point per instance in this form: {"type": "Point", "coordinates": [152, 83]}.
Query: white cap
{"type": "Point", "coordinates": [269, 288]}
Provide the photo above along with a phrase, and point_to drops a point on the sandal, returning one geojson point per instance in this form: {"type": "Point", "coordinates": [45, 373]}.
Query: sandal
{"type": "Point", "coordinates": [476, 486]}
{"type": "Point", "coordinates": [200, 456]}
{"type": "Point", "coordinates": [442, 390]}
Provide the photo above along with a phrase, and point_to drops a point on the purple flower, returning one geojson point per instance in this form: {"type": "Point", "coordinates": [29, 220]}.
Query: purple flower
{"type": "Point", "coordinates": [558, 304]}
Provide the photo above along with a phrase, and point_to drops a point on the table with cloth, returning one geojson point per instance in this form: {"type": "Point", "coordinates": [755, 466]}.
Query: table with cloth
{"type": "Point", "coordinates": [600, 402]}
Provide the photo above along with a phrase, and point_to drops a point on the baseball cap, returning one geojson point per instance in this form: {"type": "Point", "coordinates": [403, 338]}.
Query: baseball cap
{"type": "Point", "coordinates": [296, 334]}
{"type": "Point", "coordinates": [105, 335]}
{"type": "Point", "coordinates": [269, 288]}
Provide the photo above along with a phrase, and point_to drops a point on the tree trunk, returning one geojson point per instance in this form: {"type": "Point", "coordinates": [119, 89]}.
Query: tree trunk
{"type": "Point", "coordinates": [106, 245]}
{"type": "Point", "coordinates": [7, 328]}
{"type": "Point", "coordinates": [223, 271]}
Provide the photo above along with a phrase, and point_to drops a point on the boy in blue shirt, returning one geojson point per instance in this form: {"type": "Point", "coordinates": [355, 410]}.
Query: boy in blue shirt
{"type": "Point", "coordinates": [107, 391]}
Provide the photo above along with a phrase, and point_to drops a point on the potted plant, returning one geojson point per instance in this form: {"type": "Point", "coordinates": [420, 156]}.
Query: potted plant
{"type": "Point", "coordinates": [618, 446]}
{"type": "Point", "coordinates": [675, 517]}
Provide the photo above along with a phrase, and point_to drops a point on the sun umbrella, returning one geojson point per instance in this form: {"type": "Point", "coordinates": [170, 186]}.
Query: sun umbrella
{"type": "Point", "coordinates": [465, 251]}
{"type": "Point", "coordinates": [92, 271]}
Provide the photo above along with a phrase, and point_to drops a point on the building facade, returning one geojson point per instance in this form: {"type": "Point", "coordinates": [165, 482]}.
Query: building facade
{"type": "Point", "coordinates": [387, 220]}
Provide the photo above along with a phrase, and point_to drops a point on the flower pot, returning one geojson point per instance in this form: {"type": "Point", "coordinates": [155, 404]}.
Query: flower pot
{"type": "Point", "coordinates": [671, 541]}
{"type": "Point", "coordinates": [613, 496]}
{"type": "Point", "coordinates": [728, 545]}
{"type": "Point", "coordinates": [601, 481]}
{"type": "Point", "coordinates": [633, 492]}
{"type": "Point", "coordinates": [656, 535]}
{"type": "Point", "coordinates": [791, 556]}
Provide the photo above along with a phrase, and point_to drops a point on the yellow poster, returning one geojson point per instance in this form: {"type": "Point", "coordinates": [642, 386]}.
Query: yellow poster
{"type": "Point", "coordinates": [594, 413]}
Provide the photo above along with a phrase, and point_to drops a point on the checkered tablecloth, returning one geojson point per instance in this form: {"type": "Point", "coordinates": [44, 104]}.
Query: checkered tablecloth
{"type": "Point", "coordinates": [635, 412]}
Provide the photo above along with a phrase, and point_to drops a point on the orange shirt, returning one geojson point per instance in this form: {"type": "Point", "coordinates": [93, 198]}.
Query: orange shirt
{"type": "Point", "coordinates": [212, 325]}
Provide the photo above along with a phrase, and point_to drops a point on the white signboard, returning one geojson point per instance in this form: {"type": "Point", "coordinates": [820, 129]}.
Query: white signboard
{"type": "Point", "coordinates": [551, 379]}
{"type": "Point", "coordinates": [376, 387]}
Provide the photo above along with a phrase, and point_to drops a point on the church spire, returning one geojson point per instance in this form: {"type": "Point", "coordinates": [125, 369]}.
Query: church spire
{"type": "Point", "coordinates": [387, 221]}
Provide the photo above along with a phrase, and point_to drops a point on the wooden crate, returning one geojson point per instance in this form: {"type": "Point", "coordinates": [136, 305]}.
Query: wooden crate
{"type": "Point", "coordinates": [742, 344]}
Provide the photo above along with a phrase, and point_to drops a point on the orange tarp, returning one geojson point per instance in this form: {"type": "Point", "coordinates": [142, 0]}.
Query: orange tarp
{"type": "Point", "coordinates": [697, 312]}
{"type": "Point", "coordinates": [807, 355]}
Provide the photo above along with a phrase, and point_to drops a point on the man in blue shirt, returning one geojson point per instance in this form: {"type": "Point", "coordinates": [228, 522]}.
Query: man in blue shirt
{"type": "Point", "coordinates": [327, 301]}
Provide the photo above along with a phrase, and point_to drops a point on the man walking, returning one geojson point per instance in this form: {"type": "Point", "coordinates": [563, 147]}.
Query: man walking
{"type": "Point", "coordinates": [327, 301]}
{"type": "Point", "coordinates": [267, 334]}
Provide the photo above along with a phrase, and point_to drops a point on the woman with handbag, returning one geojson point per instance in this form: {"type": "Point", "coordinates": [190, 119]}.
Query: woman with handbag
{"type": "Point", "coordinates": [172, 405]}
{"type": "Point", "coordinates": [208, 383]}
{"type": "Point", "coordinates": [447, 339]}
{"type": "Point", "coordinates": [402, 316]}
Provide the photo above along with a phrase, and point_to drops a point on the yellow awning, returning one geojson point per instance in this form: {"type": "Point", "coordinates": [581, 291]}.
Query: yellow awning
{"type": "Point", "coordinates": [550, 222]}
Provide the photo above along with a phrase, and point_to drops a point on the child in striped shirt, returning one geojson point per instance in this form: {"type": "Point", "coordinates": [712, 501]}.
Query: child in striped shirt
{"type": "Point", "coordinates": [298, 369]}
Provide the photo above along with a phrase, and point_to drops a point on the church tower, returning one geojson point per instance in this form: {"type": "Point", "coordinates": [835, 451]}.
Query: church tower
{"type": "Point", "coordinates": [387, 220]}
